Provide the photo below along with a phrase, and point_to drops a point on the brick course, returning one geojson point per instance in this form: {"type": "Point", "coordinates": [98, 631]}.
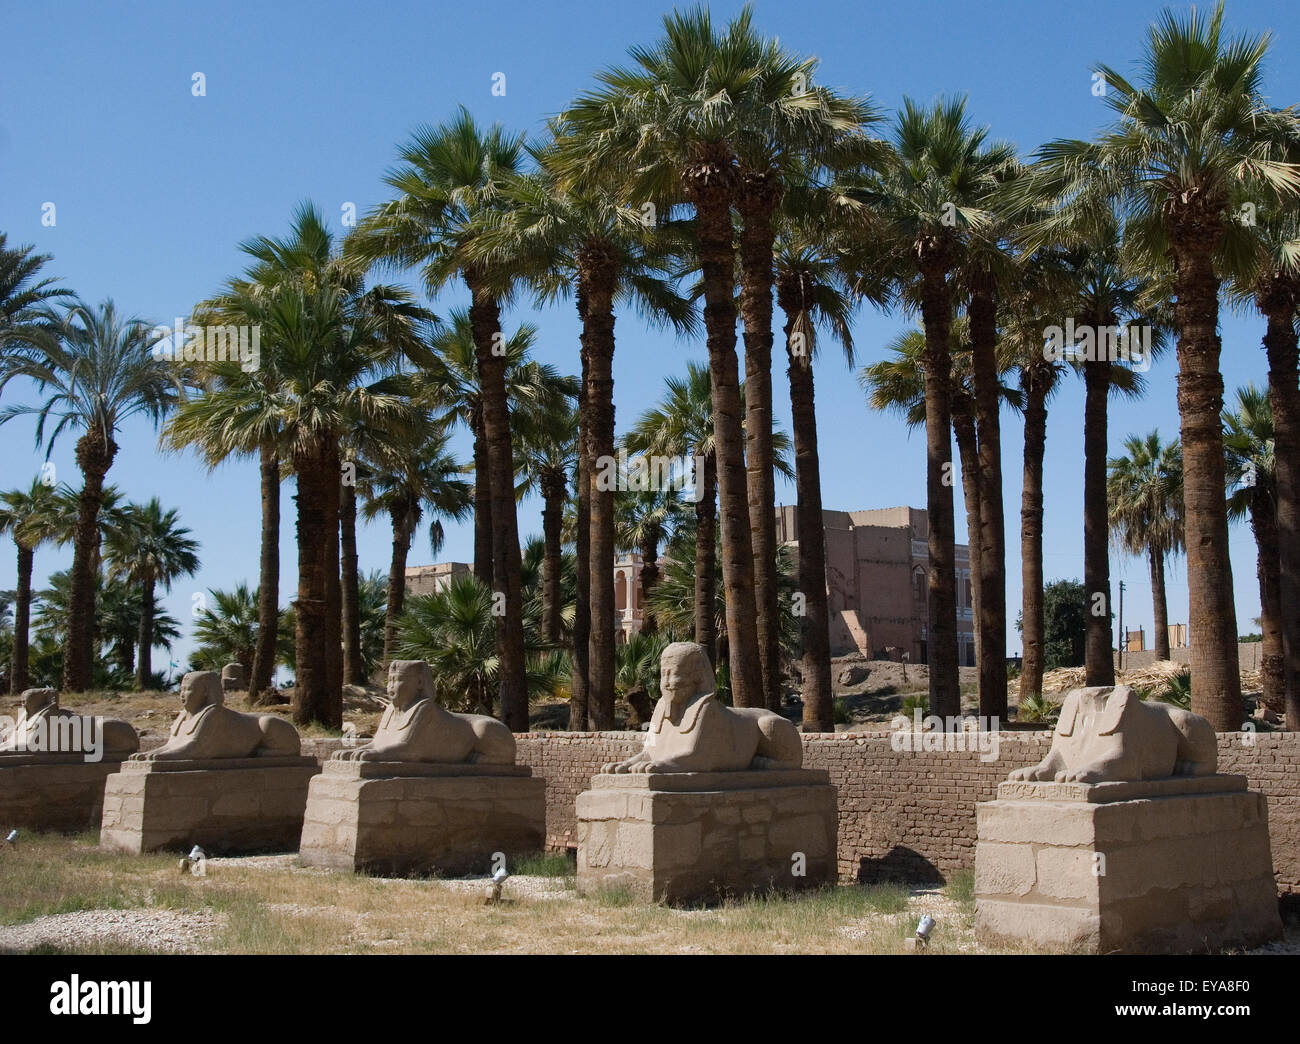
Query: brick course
{"type": "Point", "coordinates": [912, 814]}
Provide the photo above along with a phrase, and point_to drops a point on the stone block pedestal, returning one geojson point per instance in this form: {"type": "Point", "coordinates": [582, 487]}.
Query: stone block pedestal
{"type": "Point", "coordinates": [402, 818]}
{"type": "Point", "coordinates": [55, 792]}
{"type": "Point", "coordinates": [227, 806]}
{"type": "Point", "coordinates": [1167, 866]}
{"type": "Point", "coordinates": [702, 836]}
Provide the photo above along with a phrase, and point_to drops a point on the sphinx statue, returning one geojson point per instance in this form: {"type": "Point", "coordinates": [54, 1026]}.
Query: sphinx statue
{"type": "Point", "coordinates": [415, 728]}
{"type": "Point", "coordinates": [43, 725]}
{"type": "Point", "coordinates": [207, 729]}
{"type": "Point", "coordinates": [1106, 734]}
{"type": "Point", "coordinates": [691, 731]}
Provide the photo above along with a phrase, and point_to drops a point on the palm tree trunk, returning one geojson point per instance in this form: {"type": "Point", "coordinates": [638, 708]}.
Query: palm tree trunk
{"type": "Point", "coordinates": [95, 452]}
{"type": "Point", "coordinates": [144, 661]}
{"type": "Point", "coordinates": [991, 604]}
{"type": "Point", "coordinates": [706, 545]}
{"type": "Point", "coordinates": [711, 185]}
{"type": "Point", "coordinates": [1263, 520]}
{"type": "Point", "coordinates": [1032, 622]}
{"type": "Point", "coordinates": [580, 685]}
{"type": "Point", "coordinates": [1099, 660]}
{"type": "Point", "coordinates": [649, 577]}
{"type": "Point", "coordinates": [18, 672]}
{"type": "Point", "coordinates": [485, 318]}
{"type": "Point", "coordinates": [482, 502]}
{"type": "Point", "coordinates": [334, 593]}
{"type": "Point", "coordinates": [963, 426]}
{"type": "Point", "coordinates": [941, 631]}
{"type": "Point", "coordinates": [268, 584]}
{"type": "Point", "coordinates": [1212, 627]}
{"type": "Point", "coordinates": [814, 625]}
{"type": "Point", "coordinates": [756, 202]}
{"type": "Point", "coordinates": [554, 489]}
{"type": "Point", "coordinates": [1160, 603]}
{"type": "Point", "coordinates": [396, 582]}
{"type": "Point", "coordinates": [316, 479]}
{"type": "Point", "coordinates": [354, 670]}
{"type": "Point", "coordinates": [1279, 305]}
{"type": "Point", "coordinates": [596, 275]}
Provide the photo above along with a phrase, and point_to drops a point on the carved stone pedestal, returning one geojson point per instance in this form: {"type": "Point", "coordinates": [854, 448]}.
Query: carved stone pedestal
{"type": "Point", "coordinates": [227, 806]}
{"type": "Point", "coordinates": [55, 792]}
{"type": "Point", "coordinates": [701, 836]}
{"type": "Point", "coordinates": [1167, 866]}
{"type": "Point", "coordinates": [406, 818]}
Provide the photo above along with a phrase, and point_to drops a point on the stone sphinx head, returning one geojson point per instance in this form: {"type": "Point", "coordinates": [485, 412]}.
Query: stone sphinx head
{"type": "Point", "coordinates": [36, 700]}
{"type": "Point", "coordinates": [685, 672]}
{"type": "Point", "coordinates": [409, 681]}
{"type": "Point", "coordinates": [201, 689]}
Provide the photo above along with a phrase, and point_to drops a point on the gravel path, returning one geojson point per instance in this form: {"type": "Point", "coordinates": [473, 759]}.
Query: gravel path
{"type": "Point", "coordinates": [171, 931]}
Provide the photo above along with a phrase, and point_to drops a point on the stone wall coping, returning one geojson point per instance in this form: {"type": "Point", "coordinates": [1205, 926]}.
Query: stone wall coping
{"type": "Point", "coordinates": [705, 782]}
{"type": "Point", "coordinates": [1103, 793]}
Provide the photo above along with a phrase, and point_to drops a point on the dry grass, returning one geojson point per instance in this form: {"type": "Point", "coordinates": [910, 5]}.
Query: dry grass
{"type": "Point", "coordinates": [268, 905]}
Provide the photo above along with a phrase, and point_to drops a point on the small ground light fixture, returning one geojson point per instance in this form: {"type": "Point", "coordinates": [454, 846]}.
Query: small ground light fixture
{"type": "Point", "coordinates": [498, 879]}
{"type": "Point", "coordinates": [11, 838]}
{"type": "Point", "coordinates": [923, 929]}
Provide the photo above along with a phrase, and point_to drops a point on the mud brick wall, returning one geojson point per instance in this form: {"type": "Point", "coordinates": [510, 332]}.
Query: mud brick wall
{"type": "Point", "coordinates": [911, 814]}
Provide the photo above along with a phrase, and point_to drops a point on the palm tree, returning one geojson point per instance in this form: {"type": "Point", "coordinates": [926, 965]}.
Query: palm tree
{"type": "Point", "coordinates": [898, 385]}
{"type": "Point", "coordinates": [1106, 296]}
{"type": "Point", "coordinates": [25, 297]}
{"type": "Point", "coordinates": [1038, 377]}
{"type": "Point", "coordinates": [401, 488]}
{"type": "Point", "coordinates": [1271, 279]}
{"type": "Point", "coordinates": [149, 548]}
{"type": "Point", "coordinates": [643, 520]}
{"type": "Point", "coordinates": [1249, 442]}
{"type": "Point", "coordinates": [453, 630]}
{"type": "Point", "coordinates": [669, 121]}
{"type": "Point", "coordinates": [811, 291]}
{"type": "Point", "coordinates": [227, 630]}
{"type": "Point", "coordinates": [1144, 488]}
{"type": "Point", "coordinates": [576, 236]}
{"type": "Point", "coordinates": [682, 426]}
{"type": "Point", "coordinates": [95, 370]}
{"type": "Point", "coordinates": [1193, 137]}
{"type": "Point", "coordinates": [33, 517]}
{"type": "Point", "coordinates": [922, 205]}
{"type": "Point", "coordinates": [786, 126]}
{"type": "Point", "coordinates": [451, 177]}
{"type": "Point", "coordinates": [546, 451]}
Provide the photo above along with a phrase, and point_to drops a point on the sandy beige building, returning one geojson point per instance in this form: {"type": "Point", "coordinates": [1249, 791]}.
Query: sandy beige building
{"type": "Point", "coordinates": [875, 577]}
{"type": "Point", "coordinates": [876, 581]}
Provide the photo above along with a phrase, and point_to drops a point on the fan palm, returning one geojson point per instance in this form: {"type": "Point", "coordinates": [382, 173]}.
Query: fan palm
{"type": "Point", "coordinates": [149, 548]}
{"type": "Point", "coordinates": [401, 487]}
{"type": "Point", "coordinates": [578, 237]}
{"type": "Point", "coordinates": [1191, 138]}
{"type": "Point", "coordinates": [1144, 488]}
{"type": "Point", "coordinates": [922, 206]}
{"type": "Point", "coordinates": [451, 177]}
{"type": "Point", "coordinates": [227, 630]}
{"type": "Point", "coordinates": [672, 122]}
{"type": "Point", "coordinates": [32, 517]}
{"type": "Point", "coordinates": [1252, 468]}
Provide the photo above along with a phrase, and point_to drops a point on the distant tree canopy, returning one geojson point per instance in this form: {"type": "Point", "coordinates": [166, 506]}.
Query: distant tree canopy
{"type": "Point", "coordinates": [1065, 607]}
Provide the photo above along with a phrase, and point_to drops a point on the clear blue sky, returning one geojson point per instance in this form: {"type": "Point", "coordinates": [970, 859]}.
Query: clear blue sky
{"type": "Point", "coordinates": [155, 187]}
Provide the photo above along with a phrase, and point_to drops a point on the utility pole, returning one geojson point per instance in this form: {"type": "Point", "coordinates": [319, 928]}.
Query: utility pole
{"type": "Point", "coordinates": [1123, 643]}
